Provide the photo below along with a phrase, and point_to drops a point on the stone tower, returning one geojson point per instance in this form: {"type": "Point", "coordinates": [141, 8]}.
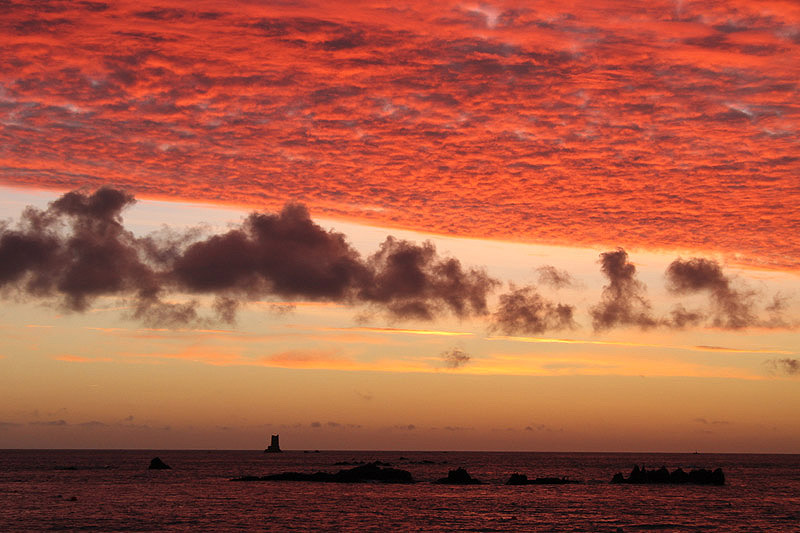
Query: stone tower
{"type": "Point", "coordinates": [274, 446]}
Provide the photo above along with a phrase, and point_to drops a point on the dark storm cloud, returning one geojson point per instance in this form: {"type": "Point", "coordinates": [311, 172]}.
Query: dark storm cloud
{"type": "Point", "coordinates": [731, 308]}
{"type": "Point", "coordinates": [455, 358]}
{"type": "Point", "coordinates": [96, 255]}
{"type": "Point", "coordinates": [524, 311]}
{"type": "Point", "coordinates": [411, 281]}
{"type": "Point", "coordinates": [786, 366]}
{"type": "Point", "coordinates": [285, 254]}
{"type": "Point", "coordinates": [623, 301]}
{"type": "Point", "coordinates": [78, 249]}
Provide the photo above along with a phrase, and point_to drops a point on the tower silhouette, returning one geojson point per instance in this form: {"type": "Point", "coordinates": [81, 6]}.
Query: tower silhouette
{"type": "Point", "coordinates": [274, 446]}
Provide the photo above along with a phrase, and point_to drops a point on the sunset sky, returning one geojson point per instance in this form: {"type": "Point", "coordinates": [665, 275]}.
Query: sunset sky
{"type": "Point", "coordinates": [545, 226]}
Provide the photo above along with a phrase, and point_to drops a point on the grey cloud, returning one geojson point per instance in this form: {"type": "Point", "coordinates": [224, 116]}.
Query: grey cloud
{"type": "Point", "coordinates": [77, 250]}
{"type": "Point", "coordinates": [623, 301]}
{"type": "Point", "coordinates": [553, 277]}
{"type": "Point", "coordinates": [411, 281]}
{"type": "Point", "coordinates": [93, 424]}
{"type": "Point", "coordinates": [732, 308]}
{"type": "Point", "coordinates": [524, 311]}
{"type": "Point", "coordinates": [680, 317]}
{"type": "Point", "coordinates": [455, 358]}
{"type": "Point", "coordinates": [786, 366]}
{"type": "Point", "coordinates": [52, 423]}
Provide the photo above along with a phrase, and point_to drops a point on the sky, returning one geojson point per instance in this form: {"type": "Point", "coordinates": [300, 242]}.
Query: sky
{"type": "Point", "coordinates": [543, 226]}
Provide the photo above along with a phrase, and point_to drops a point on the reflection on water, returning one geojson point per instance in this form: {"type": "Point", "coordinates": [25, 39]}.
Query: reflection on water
{"type": "Point", "coordinates": [114, 490]}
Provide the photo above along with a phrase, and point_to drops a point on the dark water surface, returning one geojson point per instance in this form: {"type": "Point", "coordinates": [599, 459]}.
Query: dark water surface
{"type": "Point", "coordinates": [111, 490]}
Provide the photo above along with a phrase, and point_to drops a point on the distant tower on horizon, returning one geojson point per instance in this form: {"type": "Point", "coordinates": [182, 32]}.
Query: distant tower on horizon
{"type": "Point", "coordinates": [274, 446]}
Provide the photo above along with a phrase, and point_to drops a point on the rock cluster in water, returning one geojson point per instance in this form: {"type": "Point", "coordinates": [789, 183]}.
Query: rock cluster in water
{"type": "Point", "coordinates": [699, 476]}
{"type": "Point", "coordinates": [522, 479]}
{"type": "Point", "coordinates": [354, 463]}
{"type": "Point", "coordinates": [458, 476]}
{"type": "Point", "coordinates": [359, 474]}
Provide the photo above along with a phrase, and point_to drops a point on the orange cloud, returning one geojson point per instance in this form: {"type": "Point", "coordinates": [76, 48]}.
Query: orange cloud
{"type": "Point", "coordinates": [619, 365]}
{"type": "Point", "coordinates": [652, 123]}
{"type": "Point", "coordinates": [81, 359]}
{"type": "Point", "coordinates": [403, 331]}
{"type": "Point", "coordinates": [197, 354]}
{"type": "Point", "coordinates": [699, 348]}
{"type": "Point", "coordinates": [307, 359]}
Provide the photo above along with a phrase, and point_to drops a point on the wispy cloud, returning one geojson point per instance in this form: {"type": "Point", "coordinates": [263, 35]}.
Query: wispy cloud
{"type": "Point", "coordinates": [697, 348]}
{"type": "Point", "coordinates": [81, 359]}
{"type": "Point", "coordinates": [401, 331]}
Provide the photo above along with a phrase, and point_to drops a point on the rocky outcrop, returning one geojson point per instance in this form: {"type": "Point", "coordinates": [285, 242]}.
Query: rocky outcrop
{"type": "Point", "coordinates": [522, 479]}
{"type": "Point", "coordinates": [369, 472]}
{"type": "Point", "coordinates": [158, 464]}
{"type": "Point", "coordinates": [458, 476]}
{"type": "Point", "coordinates": [678, 476]}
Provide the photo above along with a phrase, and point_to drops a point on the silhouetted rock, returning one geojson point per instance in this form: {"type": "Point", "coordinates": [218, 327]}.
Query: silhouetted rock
{"type": "Point", "coordinates": [522, 479]}
{"type": "Point", "coordinates": [677, 477]}
{"type": "Point", "coordinates": [553, 481]}
{"type": "Point", "coordinates": [292, 476]}
{"type": "Point", "coordinates": [458, 476]}
{"type": "Point", "coordinates": [373, 472]}
{"type": "Point", "coordinates": [359, 474]}
{"type": "Point", "coordinates": [660, 476]}
{"type": "Point", "coordinates": [517, 479]}
{"type": "Point", "coordinates": [158, 464]}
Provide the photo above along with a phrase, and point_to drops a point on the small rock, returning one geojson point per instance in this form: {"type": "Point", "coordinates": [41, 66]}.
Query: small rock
{"type": "Point", "coordinates": [158, 464]}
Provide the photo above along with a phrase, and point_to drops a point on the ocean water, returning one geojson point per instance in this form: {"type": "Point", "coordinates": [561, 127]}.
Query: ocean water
{"type": "Point", "coordinates": [111, 490]}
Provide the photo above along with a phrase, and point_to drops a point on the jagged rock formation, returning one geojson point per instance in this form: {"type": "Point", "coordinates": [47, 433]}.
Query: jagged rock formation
{"type": "Point", "coordinates": [360, 474]}
{"type": "Point", "coordinates": [699, 476]}
{"type": "Point", "coordinates": [158, 464]}
{"type": "Point", "coordinates": [458, 476]}
{"type": "Point", "coordinates": [522, 479]}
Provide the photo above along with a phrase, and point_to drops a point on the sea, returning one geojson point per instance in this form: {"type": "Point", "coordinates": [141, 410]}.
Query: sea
{"type": "Point", "coordinates": [113, 490]}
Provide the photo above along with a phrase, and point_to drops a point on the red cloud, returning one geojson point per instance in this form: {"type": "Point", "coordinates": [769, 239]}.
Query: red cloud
{"type": "Point", "coordinates": [653, 124]}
